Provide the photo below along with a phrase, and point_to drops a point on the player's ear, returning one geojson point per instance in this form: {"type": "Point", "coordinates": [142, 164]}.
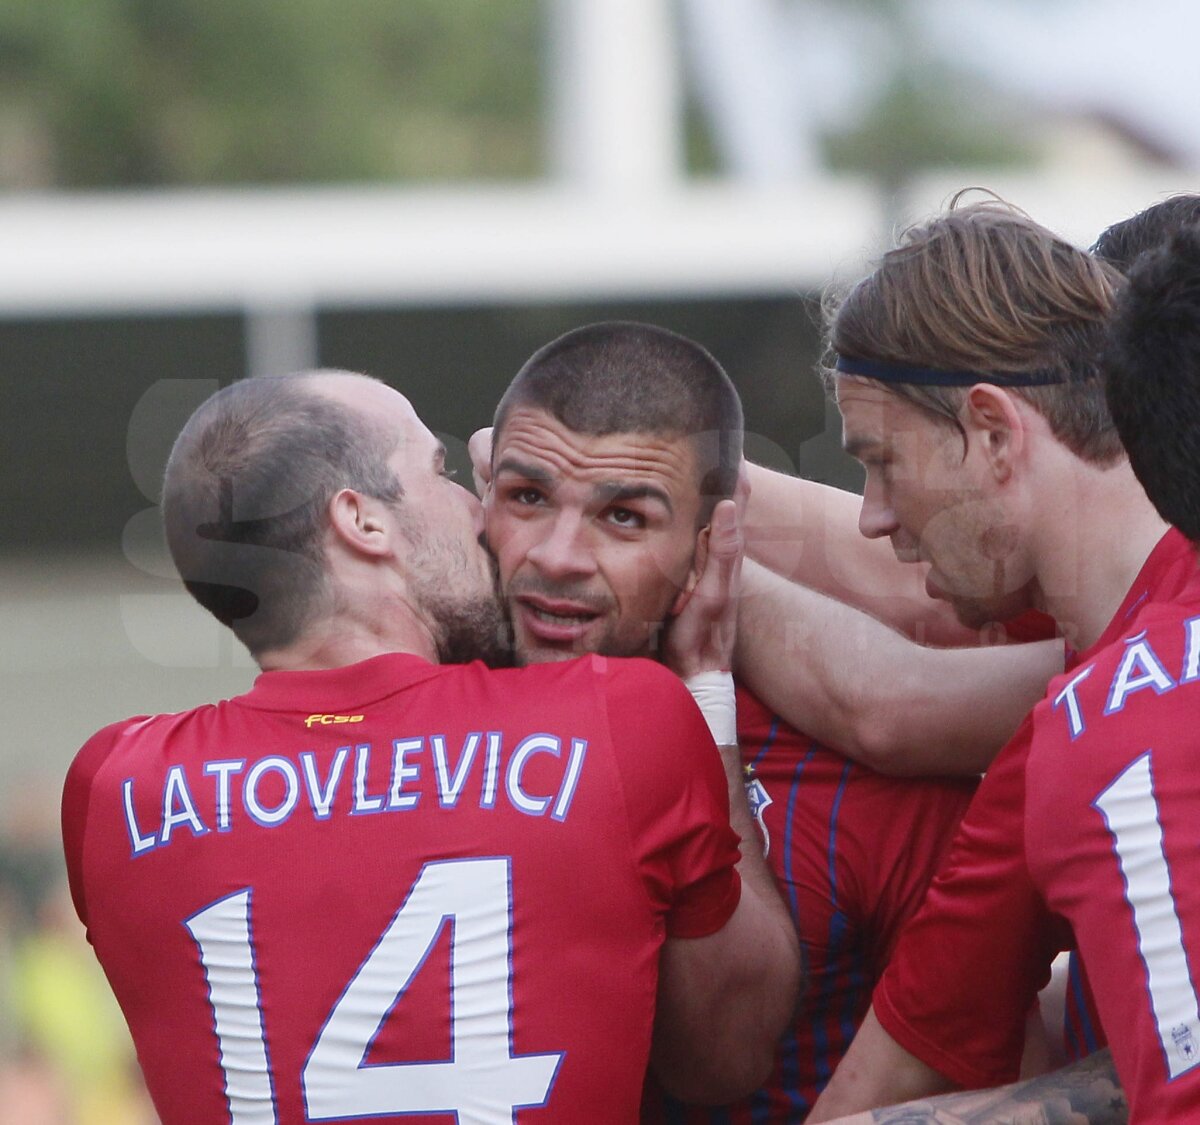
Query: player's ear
{"type": "Point", "coordinates": [991, 417]}
{"type": "Point", "coordinates": [481, 448]}
{"type": "Point", "coordinates": [359, 523]}
{"type": "Point", "coordinates": [699, 558]}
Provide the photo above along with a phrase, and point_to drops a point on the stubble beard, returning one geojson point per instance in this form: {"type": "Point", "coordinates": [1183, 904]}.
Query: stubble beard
{"type": "Point", "coordinates": [994, 595]}
{"type": "Point", "coordinates": [612, 641]}
{"type": "Point", "coordinates": [467, 627]}
{"type": "Point", "coordinates": [473, 629]}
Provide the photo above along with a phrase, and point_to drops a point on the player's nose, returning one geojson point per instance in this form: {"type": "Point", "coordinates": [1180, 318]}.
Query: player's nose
{"type": "Point", "coordinates": [876, 518]}
{"type": "Point", "coordinates": [563, 552]}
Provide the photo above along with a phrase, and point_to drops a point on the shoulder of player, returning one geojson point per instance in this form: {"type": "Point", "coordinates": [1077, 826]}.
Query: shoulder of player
{"type": "Point", "coordinates": [1163, 641]}
{"type": "Point", "coordinates": [1130, 680]}
{"type": "Point", "coordinates": [626, 684]}
{"type": "Point", "coordinates": [113, 739]}
{"type": "Point", "coordinates": [620, 672]}
{"type": "Point", "coordinates": [76, 800]}
{"type": "Point", "coordinates": [639, 678]}
{"type": "Point", "coordinates": [96, 750]}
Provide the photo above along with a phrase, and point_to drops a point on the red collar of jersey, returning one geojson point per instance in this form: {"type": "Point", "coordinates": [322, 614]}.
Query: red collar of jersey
{"type": "Point", "coordinates": [337, 689]}
{"type": "Point", "coordinates": [1167, 569]}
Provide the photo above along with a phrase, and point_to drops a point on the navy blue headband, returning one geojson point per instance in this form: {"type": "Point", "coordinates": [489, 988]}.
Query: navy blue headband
{"type": "Point", "coordinates": [887, 372]}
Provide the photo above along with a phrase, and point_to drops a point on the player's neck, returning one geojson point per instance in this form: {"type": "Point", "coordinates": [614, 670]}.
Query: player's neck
{"type": "Point", "coordinates": [368, 610]}
{"type": "Point", "coordinates": [348, 638]}
{"type": "Point", "coordinates": [1096, 535]}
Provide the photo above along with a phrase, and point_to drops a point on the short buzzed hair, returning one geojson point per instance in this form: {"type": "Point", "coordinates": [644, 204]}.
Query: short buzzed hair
{"type": "Point", "coordinates": [1153, 377]}
{"type": "Point", "coordinates": [621, 377]}
{"type": "Point", "coordinates": [245, 497]}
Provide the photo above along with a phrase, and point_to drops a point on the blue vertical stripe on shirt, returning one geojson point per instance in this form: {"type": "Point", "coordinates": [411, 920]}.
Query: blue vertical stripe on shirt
{"type": "Point", "coordinates": [856, 968]}
{"type": "Point", "coordinates": [789, 1061]}
{"type": "Point", "coordinates": [1075, 982]}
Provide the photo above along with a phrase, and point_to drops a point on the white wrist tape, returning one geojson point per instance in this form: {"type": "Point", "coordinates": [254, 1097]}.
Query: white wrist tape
{"type": "Point", "coordinates": [714, 695]}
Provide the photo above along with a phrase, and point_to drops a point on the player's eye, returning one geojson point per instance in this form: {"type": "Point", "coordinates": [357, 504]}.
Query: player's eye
{"type": "Point", "coordinates": [626, 517]}
{"type": "Point", "coordinates": [526, 495]}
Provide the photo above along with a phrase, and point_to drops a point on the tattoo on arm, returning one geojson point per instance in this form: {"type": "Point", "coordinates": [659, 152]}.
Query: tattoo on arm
{"type": "Point", "coordinates": [1085, 1093]}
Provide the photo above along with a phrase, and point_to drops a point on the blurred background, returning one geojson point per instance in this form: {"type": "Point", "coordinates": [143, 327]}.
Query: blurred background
{"type": "Point", "coordinates": [196, 190]}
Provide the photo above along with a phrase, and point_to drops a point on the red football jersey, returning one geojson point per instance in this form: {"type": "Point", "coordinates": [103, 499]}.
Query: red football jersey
{"type": "Point", "coordinates": [398, 891]}
{"type": "Point", "coordinates": [853, 852]}
{"type": "Point", "coordinates": [1112, 829]}
{"type": "Point", "coordinates": [1082, 1033]}
{"type": "Point", "coordinates": [1028, 867]}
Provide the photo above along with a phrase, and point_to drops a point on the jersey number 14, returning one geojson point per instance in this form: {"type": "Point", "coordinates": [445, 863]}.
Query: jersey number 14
{"type": "Point", "coordinates": [483, 1081]}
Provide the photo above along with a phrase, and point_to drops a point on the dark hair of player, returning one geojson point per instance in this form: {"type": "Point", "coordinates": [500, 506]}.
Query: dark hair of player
{"type": "Point", "coordinates": [1122, 243]}
{"type": "Point", "coordinates": [620, 377]}
{"type": "Point", "coordinates": [245, 493]}
{"type": "Point", "coordinates": [1153, 377]}
{"type": "Point", "coordinates": [983, 288]}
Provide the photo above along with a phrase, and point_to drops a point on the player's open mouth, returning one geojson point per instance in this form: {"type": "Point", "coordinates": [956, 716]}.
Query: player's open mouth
{"type": "Point", "coordinates": [560, 618]}
{"type": "Point", "coordinates": [552, 620]}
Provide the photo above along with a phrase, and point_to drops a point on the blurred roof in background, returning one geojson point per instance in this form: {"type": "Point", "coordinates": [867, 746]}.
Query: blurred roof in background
{"type": "Point", "coordinates": [627, 146]}
{"type": "Point", "coordinates": [192, 191]}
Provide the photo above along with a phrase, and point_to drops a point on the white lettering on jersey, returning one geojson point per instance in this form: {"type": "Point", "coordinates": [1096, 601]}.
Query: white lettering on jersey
{"type": "Point", "coordinates": [273, 786]}
{"type": "Point", "coordinates": [1139, 668]}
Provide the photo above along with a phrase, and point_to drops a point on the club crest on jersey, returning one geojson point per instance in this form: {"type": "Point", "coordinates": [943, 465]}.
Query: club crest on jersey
{"type": "Point", "coordinates": [332, 720]}
{"type": "Point", "coordinates": [758, 799]}
{"type": "Point", "coordinates": [1184, 1040]}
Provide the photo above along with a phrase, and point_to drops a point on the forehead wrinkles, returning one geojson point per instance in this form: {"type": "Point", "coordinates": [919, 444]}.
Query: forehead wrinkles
{"type": "Point", "coordinates": [564, 453]}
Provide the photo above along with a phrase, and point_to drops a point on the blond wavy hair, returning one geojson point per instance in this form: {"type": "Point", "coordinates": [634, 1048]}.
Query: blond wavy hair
{"type": "Point", "coordinates": [983, 288]}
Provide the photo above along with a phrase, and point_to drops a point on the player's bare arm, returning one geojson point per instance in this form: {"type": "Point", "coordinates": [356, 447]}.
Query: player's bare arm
{"type": "Point", "coordinates": [1086, 1093]}
{"type": "Point", "coordinates": [876, 1071]}
{"type": "Point", "coordinates": [856, 684]}
{"type": "Point", "coordinates": [724, 1000]}
{"type": "Point", "coordinates": [808, 532]}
